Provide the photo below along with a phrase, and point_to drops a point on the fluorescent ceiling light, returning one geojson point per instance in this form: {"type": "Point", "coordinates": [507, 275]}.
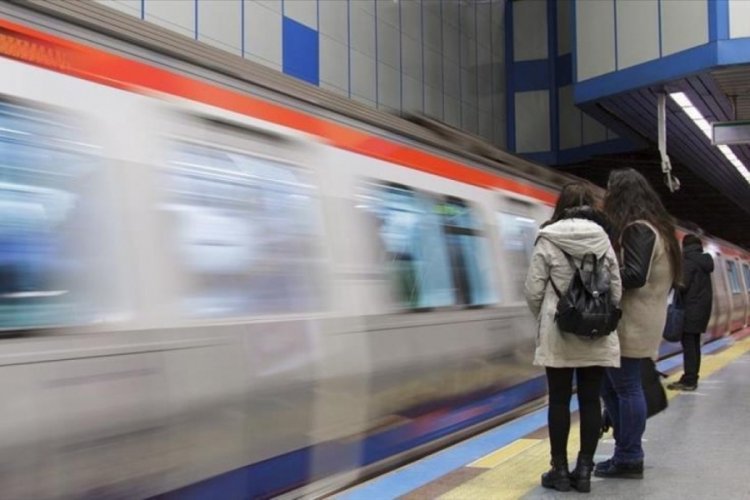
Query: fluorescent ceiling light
{"type": "Point", "coordinates": [700, 121]}
{"type": "Point", "coordinates": [681, 99]}
{"type": "Point", "coordinates": [693, 113]}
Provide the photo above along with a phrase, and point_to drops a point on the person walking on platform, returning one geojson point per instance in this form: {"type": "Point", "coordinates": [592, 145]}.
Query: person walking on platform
{"type": "Point", "coordinates": [650, 265]}
{"type": "Point", "coordinates": [574, 230]}
{"type": "Point", "coordinates": [697, 299]}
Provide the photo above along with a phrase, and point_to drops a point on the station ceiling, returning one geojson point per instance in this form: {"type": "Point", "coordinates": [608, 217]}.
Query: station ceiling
{"type": "Point", "coordinates": [696, 203]}
{"type": "Point", "coordinates": [734, 83]}
{"type": "Point", "coordinates": [713, 193]}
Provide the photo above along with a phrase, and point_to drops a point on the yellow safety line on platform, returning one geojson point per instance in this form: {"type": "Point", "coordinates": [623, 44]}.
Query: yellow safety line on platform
{"type": "Point", "coordinates": [509, 451]}
{"type": "Point", "coordinates": [513, 479]}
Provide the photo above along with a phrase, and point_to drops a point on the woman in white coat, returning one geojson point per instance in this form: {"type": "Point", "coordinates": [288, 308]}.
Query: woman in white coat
{"type": "Point", "coordinates": [575, 229]}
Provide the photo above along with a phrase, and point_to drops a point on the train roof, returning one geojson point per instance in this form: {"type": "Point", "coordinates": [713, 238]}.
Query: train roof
{"type": "Point", "coordinates": [178, 48]}
{"type": "Point", "coordinates": [176, 51]}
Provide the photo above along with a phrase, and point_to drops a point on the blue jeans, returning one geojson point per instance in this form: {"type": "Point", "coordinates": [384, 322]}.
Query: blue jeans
{"type": "Point", "coordinates": [622, 392]}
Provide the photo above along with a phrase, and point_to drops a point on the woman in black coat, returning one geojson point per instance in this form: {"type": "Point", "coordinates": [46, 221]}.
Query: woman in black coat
{"type": "Point", "coordinates": [697, 299]}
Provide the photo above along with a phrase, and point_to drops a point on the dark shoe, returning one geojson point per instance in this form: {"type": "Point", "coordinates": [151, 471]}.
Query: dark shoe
{"type": "Point", "coordinates": [682, 386]}
{"type": "Point", "coordinates": [610, 469]}
{"type": "Point", "coordinates": [580, 478]}
{"type": "Point", "coordinates": [558, 476]}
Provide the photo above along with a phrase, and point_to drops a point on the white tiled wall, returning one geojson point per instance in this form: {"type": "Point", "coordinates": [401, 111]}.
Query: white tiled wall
{"type": "Point", "coordinates": [334, 65]}
{"type": "Point", "coordinates": [132, 7]}
{"type": "Point", "coordinates": [302, 11]}
{"type": "Point", "coordinates": [532, 121]}
{"type": "Point", "coordinates": [571, 128]}
{"type": "Point", "coordinates": [612, 35]}
{"type": "Point", "coordinates": [593, 131]}
{"type": "Point", "coordinates": [739, 18]}
{"type": "Point", "coordinates": [534, 109]}
{"type": "Point", "coordinates": [334, 20]}
{"type": "Point", "coordinates": [263, 33]}
{"type": "Point", "coordinates": [219, 24]}
{"type": "Point", "coordinates": [530, 30]}
{"type": "Point", "coordinates": [684, 24]}
{"type": "Point", "coordinates": [444, 58]}
{"type": "Point", "coordinates": [177, 15]}
{"type": "Point", "coordinates": [595, 41]}
{"type": "Point", "coordinates": [637, 33]}
{"type": "Point", "coordinates": [334, 45]}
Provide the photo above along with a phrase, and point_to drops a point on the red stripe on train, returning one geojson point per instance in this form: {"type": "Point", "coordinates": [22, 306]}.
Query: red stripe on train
{"type": "Point", "coordinates": [64, 56]}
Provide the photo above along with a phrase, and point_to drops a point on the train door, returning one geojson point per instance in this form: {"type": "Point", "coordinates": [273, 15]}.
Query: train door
{"type": "Point", "coordinates": [736, 293]}
{"type": "Point", "coordinates": [746, 276]}
{"type": "Point", "coordinates": [722, 299]}
{"type": "Point", "coordinates": [244, 227]}
{"type": "Point", "coordinates": [518, 221]}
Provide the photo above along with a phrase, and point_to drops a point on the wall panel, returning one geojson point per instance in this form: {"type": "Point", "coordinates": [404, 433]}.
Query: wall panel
{"type": "Point", "coordinates": [442, 57]}
{"type": "Point", "coordinates": [739, 18]}
{"type": "Point", "coordinates": [263, 34]}
{"type": "Point", "coordinates": [532, 121]}
{"type": "Point", "coordinates": [684, 24]}
{"type": "Point", "coordinates": [334, 20]}
{"type": "Point", "coordinates": [637, 33]}
{"type": "Point", "coordinates": [220, 24]}
{"type": "Point", "coordinates": [132, 7]}
{"type": "Point", "coordinates": [305, 12]}
{"type": "Point", "coordinates": [529, 30]}
{"type": "Point", "coordinates": [176, 16]}
{"type": "Point", "coordinates": [595, 39]}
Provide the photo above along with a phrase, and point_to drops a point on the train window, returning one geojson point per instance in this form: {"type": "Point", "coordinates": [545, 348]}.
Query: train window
{"type": "Point", "coordinates": [518, 234]}
{"type": "Point", "coordinates": [746, 269]}
{"type": "Point", "coordinates": [246, 230]}
{"type": "Point", "coordinates": [414, 247]}
{"type": "Point", "coordinates": [57, 229]}
{"type": "Point", "coordinates": [469, 253]}
{"type": "Point", "coordinates": [433, 248]}
{"type": "Point", "coordinates": [734, 278]}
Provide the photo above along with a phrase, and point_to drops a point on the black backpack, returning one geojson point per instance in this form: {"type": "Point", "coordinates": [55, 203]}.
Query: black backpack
{"type": "Point", "coordinates": [586, 308]}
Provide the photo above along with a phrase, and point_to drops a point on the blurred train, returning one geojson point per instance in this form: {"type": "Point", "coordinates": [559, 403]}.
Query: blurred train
{"type": "Point", "coordinates": [215, 282]}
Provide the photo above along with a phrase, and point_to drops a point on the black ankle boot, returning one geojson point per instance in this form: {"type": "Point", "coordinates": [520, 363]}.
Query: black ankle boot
{"type": "Point", "coordinates": [580, 478]}
{"type": "Point", "coordinates": [557, 477]}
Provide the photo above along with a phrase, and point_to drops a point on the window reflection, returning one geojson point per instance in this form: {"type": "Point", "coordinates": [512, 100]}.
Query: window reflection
{"type": "Point", "coordinates": [56, 225]}
{"type": "Point", "coordinates": [432, 248]}
{"type": "Point", "coordinates": [246, 232]}
{"type": "Point", "coordinates": [469, 253]}
{"type": "Point", "coordinates": [734, 279]}
{"type": "Point", "coordinates": [518, 236]}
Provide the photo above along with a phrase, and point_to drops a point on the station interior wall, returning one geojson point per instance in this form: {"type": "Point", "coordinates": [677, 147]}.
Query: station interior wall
{"type": "Point", "coordinates": [443, 58]}
{"type": "Point", "coordinates": [544, 122]}
{"type": "Point", "coordinates": [613, 35]}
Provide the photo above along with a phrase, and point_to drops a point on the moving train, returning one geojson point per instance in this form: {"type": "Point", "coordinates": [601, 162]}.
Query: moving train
{"type": "Point", "coordinates": [217, 282]}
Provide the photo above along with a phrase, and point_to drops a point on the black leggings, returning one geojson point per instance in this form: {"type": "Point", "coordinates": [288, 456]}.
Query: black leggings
{"type": "Point", "coordinates": [560, 384]}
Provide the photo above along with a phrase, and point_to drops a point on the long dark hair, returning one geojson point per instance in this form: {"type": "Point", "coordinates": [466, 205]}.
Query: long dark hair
{"type": "Point", "coordinates": [573, 195]}
{"type": "Point", "coordinates": [629, 198]}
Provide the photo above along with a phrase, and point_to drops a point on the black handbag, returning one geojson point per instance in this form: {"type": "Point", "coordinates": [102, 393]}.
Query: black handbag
{"type": "Point", "coordinates": [675, 318]}
{"type": "Point", "coordinates": [653, 392]}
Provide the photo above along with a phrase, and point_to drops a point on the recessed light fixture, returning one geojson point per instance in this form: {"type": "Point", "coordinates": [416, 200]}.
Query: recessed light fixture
{"type": "Point", "coordinates": [683, 101]}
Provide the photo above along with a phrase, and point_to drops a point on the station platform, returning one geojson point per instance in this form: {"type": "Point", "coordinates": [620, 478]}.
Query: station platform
{"type": "Point", "coordinates": [695, 449]}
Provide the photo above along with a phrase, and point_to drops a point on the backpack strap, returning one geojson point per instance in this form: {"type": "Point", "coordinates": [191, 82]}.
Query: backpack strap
{"type": "Point", "coordinates": [554, 287]}
{"type": "Point", "coordinates": [568, 257]}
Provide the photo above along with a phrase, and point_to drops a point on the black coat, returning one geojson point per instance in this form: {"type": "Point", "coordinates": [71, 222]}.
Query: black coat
{"type": "Point", "coordinates": [697, 293]}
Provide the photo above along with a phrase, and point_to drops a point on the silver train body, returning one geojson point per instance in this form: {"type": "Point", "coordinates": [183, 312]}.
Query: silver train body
{"type": "Point", "coordinates": [189, 290]}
